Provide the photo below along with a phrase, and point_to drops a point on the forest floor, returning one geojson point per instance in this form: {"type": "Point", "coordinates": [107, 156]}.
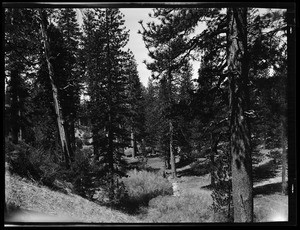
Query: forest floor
{"type": "Point", "coordinates": [269, 203]}
{"type": "Point", "coordinates": [33, 199]}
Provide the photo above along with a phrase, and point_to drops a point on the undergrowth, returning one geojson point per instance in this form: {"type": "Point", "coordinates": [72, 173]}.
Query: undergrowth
{"type": "Point", "coordinates": [141, 187]}
{"type": "Point", "coordinates": [186, 208]}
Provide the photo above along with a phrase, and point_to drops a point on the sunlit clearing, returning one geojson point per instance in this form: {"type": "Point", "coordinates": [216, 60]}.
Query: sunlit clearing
{"type": "Point", "coordinates": [279, 217]}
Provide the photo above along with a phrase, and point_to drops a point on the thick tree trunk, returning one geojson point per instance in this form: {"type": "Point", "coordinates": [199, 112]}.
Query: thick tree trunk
{"type": "Point", "coordinates": [237, 62]}
{"type": "Point", "coordinates": [60, 122]}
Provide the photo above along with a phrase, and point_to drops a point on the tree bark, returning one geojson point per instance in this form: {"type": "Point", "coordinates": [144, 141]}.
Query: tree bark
{"type": "Point", "coordinates": [240, 144]}
{"type": "Point", "coordinates": [60, 122]}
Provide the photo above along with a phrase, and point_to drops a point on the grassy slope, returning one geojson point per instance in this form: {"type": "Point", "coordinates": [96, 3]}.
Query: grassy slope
{"type": "Point", "coordinates": [29, 196]}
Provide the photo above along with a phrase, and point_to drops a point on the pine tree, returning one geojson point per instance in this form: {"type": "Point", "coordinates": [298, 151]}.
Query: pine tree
{"type": "Point", "coordinates": [107, 82]}
{"type": "Point", "coordinates": [21, 58]}
{"type": "Point", "coordinates": [135, 96]}
{"type": "Point", "coordinates": [68, 25]}
{"type": "Point", "coordinates": [163, 49]}
{"type": "Point", "coordinates": [60, 122]}
{"type": "Point", "coordinates": [240, 143]}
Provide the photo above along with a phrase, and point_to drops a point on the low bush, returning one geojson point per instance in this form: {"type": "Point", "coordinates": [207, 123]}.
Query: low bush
{"type": "Point", "coordinates": [34, 163]}
{"type": "Point", "coordinates": [185, 208]}
{"type": "Point", "coordinates": [142, 186]}
{"type": "Point", "coordinates": [23, 160]}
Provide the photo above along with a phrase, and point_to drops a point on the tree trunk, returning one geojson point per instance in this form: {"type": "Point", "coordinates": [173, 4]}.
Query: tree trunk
{"type": "Point", "coordinates": [143, 148]}
{"type": "Point", "coordinates": [110, 118]}
{"type": "Point", "coordinates": [20, 132]}
{"type": "Point", "coordinates": [72, 138]}
{"type": "Point", "coordinates": [213, 152]}
{"type": "Point", "coordinates": [237, 63]}
{"type": "Point", "coordinates": [168, 161]}
{"type": "Point", "coordinates": [14, 109]}
{"type": "Point", "coordinates": [291, 112]}
{"type": "Point", "coordinates": [133, 143]}
{"type": "Point", "coordinates": [60, 122]}
{"type": "Point", "coordinates": [284, 159]}
{"type": "Point", "coordinates": [172, 156]}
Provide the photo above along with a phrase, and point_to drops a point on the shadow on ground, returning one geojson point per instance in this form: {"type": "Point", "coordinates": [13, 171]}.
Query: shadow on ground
{"type": "Point", "coordinates": [265, 171]}
{"type": "Point", "coordinates": [192, 172]}
{"type": "Point", "coordinates": [267, 189]}
{"type": "Point", "coordinates": [141, 166]}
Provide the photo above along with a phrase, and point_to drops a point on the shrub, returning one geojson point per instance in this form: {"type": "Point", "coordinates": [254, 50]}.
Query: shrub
{"type": "Point", "coordinates": [185, 208]}
{"type": "Point", "coordinates": [142, 186]}
{"type": "Point", "coordinates": [82, 173]}
{"type": "Point", "coordinates": [19, 161]}
{"type": "Point", "coordinates": [34, 163]}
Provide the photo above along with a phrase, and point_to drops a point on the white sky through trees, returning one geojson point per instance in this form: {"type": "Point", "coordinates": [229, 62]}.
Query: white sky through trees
{"type": "Point", "coordinates": [132, 16]}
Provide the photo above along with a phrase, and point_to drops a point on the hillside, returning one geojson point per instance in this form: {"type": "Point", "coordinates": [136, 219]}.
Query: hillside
{"type": "Point", "coordinates": [39, 203]}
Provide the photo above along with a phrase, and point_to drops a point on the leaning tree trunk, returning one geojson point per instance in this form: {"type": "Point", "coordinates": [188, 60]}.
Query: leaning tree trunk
{"type": "Point", "coordinates": [60, 122]}
{"type": "Point", "coordinates": [237, 63]}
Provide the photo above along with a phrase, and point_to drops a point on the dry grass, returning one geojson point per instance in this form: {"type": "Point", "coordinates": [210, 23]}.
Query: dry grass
{"type": "Point", "coordinates": [29, 196]}
{"type": "Point", "coordinates": [143, 186]}
{"type": "Point", "coordinates": [189, 208]}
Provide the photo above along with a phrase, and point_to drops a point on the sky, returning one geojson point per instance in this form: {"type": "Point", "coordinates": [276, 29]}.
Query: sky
{"type": "Point", "coordinates": [132, 16]}
{"type": "Point", "coordinates": [136, 44]}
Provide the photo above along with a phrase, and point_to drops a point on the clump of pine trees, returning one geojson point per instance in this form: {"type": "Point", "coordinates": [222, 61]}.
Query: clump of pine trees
{"type": "Point", "coordinates": [48, 69]}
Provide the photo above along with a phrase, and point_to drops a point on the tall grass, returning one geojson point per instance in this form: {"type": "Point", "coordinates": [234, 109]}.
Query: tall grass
{"type": "Point", "coordinates": [142, 186]}
{"type": "Point", "coordinates": [186, 208]}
